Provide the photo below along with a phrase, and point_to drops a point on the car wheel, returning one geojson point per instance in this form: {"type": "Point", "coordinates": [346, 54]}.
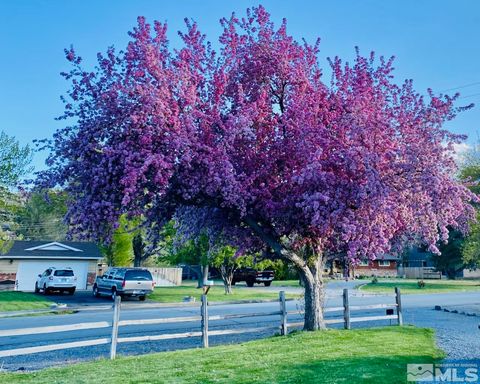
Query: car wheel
{"type": "Point", "coordinates": [96, 293]}
{"type": "Point", "coordinates": [36, 288]}
{"type": "Point", "coordinates": [141, 298]}
{"type": "Point", "coordinates": [267, 283]}
{"type": "Point", "coordinates": [114, 294]}
{"type": "Point", "coordinates": [250, 282]}
{"type": "Point", "coordinates": [71, 291]}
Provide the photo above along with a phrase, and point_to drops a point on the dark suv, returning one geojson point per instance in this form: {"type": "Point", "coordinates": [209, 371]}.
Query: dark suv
{"type": "Point", "coordinates": [251, 276]}
{"type": "Point", "coordinates": [124, 282]}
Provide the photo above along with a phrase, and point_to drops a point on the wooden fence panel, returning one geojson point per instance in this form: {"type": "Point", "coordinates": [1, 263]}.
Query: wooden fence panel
{"type": "Point", "coordinates": [166, 276]}
{"type": "Point", "coordinates": [419, 273]}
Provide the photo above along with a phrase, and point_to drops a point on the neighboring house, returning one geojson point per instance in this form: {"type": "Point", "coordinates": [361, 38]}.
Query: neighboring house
{"type": "Point", "coordinates": [383, 266]}
{"type": "Point", "coordinates": [417, 263]}
{"type": "Point", "coordinates": [25, 260]}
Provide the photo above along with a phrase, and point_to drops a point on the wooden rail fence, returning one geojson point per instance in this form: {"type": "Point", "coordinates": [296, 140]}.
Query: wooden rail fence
{"type": "Point", "coordinates": [204, 319]}
{"type": "Point", "coordinates": [347, 309]}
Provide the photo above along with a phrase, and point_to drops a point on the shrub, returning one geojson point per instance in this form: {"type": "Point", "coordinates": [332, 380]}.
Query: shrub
{"type": "Point", "coordinates": [375, 280]}
{"type": "Point", "coordinates": [421, 284]}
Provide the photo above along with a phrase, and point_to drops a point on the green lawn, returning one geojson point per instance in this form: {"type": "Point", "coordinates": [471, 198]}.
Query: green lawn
{"type": "Point", "coordinates": [19, 301]}
{"type": "Point", "coordinates": [216, 293]}
{"type": "Point", "coordinates": [376, 355]}
{"type": "Point", "coordinates": [431, 286]}
{"type": "Point", "coordinates": [286, 283]}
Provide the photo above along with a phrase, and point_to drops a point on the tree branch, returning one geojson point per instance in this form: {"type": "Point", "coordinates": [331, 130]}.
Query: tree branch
{"type": "Point", "coordinates": [275, 244]}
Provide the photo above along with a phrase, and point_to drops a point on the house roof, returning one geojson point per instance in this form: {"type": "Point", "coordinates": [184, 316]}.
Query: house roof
{"type": "Point", "coordinates": [53, 250]}
{"type": "Point", "coordinates": [416, 254]}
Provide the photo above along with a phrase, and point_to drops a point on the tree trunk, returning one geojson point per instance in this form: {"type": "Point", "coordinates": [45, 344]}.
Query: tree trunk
{"type": "Point", "coordinates": [138, 249]}
{"type": "Point", "coordinates": [346, 270]}
{"type": "Point", "coordinates": [309, 263]}
{"type": "Point", "coordinates": [227, 276]}
{"type": "Point", "coordinates": [312, 278]}
{"type": "Point", "coordinates": [227, 284]}
{"type": "Point", "coordinates": [314, 300]}
{"type": "Point", "coordinates": [137, 262]}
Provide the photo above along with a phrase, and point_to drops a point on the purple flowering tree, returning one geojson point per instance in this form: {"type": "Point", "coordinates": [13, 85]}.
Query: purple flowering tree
{"type": "Point", "coordinates": [354, 165]}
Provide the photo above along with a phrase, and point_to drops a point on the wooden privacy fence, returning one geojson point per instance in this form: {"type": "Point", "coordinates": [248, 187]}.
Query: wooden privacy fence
{"type": "Point", "coordinates": [419, 272]}
{"type": "Point", "coordinates": [164, 276]}
{"type": "Point", "coordinates": [204, 331]}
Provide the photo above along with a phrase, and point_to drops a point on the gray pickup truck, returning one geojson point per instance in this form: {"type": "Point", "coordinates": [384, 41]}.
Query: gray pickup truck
{"type": "Point", "coordinates": [124, 282]}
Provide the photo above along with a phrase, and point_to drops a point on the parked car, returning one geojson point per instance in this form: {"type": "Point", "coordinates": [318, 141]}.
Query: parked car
{"type": "Point", "coordinates": [251, 277]}
{"type": "Point", "coordinates": [53, 279]}
{"type": "Point", "coordinates": [133, 282]}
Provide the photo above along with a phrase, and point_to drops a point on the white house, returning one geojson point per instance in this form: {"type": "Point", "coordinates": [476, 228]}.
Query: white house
{"type": "Point", "coordinates": [25, 260]}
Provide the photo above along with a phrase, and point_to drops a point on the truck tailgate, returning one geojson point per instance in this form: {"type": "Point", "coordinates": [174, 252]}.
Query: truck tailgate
{"type": "Point", "coordinates": [138, 285]}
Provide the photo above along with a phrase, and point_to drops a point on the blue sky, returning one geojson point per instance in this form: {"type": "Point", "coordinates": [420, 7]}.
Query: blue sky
{"type": "Point", "coordinates": [435, 42]}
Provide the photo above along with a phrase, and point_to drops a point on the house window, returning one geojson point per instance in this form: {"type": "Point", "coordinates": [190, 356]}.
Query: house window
{"type": "Point", "coordinates": [363, 263]}
{"type": "Point", "coordinates": [383, 263]}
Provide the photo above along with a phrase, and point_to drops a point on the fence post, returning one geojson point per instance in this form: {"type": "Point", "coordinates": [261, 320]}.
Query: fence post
{"type": "Point", "coordinates": [283, 315]}
{"type": "Point", "coordinates": [204, 310]}
{"type": "Point", "coordinates": [116, 318]}
{"type": "Point", "coordinates": [346, 309]}
{"type": "Point", "coordinates": [398, 298]}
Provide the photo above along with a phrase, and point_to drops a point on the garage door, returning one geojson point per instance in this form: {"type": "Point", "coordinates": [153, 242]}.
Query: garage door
{"type": "Point", "coordinates": [28, 271]}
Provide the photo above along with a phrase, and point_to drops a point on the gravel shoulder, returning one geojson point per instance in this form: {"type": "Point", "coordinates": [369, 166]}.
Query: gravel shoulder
{"type": "Point", "coordinates": [458, 335]}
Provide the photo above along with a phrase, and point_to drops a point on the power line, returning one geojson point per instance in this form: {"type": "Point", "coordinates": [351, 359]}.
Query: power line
{"type": "Point", "coordinates": [467, 96]}
{"type": "Point", "coordinates": [460, 87]}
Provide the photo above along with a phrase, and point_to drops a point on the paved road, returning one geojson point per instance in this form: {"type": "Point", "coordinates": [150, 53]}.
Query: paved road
{"type": "Point", "coordinates": [457, 334]}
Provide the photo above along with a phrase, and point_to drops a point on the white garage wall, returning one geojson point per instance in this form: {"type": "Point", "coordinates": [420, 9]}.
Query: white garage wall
{"type": "Point", "coordinates": [28, 271]}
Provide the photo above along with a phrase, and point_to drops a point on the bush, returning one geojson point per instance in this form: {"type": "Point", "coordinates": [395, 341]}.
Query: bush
{"type": "Point", "coordinates": [421, 284]}
{"type": "Point", "coordinates": [282, 270]}
{"type": "Point", "coordinates": [375, 280]}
